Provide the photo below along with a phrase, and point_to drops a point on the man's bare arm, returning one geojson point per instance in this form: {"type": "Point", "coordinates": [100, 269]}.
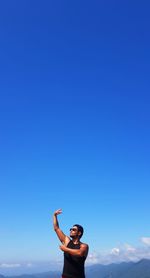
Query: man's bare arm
{"type": "Point", "coordinates": [62, 237]}
{"type": "Point", "coordinates": [83, 251]}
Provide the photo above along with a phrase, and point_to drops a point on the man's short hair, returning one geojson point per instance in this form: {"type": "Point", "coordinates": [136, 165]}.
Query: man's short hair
{"type": "Point", "coordinates": [80, 229]}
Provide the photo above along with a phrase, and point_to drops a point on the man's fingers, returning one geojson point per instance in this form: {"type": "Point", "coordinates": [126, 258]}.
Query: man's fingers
{"type": "Point", "coordinates": [58, 211]}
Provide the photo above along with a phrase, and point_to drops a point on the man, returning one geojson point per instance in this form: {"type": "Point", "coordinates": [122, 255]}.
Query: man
{"type": "Point", "coordinates": [75, 252]}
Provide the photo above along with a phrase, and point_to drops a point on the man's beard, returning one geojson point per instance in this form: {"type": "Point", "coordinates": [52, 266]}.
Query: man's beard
{"type": "Point", "coordinates": [73, 237]}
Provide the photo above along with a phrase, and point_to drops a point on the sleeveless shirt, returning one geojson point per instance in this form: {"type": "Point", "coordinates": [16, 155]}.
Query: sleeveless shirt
{"type": "Point", "coordinates": [73, 265]}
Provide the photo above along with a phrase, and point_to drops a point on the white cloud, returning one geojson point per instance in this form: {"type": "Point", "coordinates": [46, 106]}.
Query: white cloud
{"type": "Point", "coordinates": [146, 240]}
{"type": "Point", "coordinates": [93, 258]}
{"type": "Point", "coordinates": [15, 268]}
{"type": "Point", "coordinates": [123, 252]}
{"type": "Point", "coordinates": [5, 265]}
{"type": "Point", "coordinates": [29, 265]}
{"type": "Point", "coordinates": [115, 251]}
{"type": "Point", "coordinates": [129, 248]}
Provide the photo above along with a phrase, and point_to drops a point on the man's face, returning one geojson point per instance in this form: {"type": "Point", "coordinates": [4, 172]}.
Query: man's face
{"type": "Point", "coordinates": [74, 232]}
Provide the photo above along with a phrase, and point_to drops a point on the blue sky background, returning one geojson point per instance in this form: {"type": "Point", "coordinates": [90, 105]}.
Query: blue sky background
{"type": "Point", "coordinates": [74, 125]}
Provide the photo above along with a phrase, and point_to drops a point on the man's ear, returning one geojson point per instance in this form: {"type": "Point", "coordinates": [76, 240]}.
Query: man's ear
{"type": "Point", "coordinates": [79, 233]}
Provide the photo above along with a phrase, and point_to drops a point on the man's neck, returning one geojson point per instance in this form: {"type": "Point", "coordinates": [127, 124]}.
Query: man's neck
{"type": "Point", "coordinates": [76, 240]}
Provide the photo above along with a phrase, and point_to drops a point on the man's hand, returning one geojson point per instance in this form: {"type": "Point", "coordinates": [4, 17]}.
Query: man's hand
{"type": "Point", "coordinates": [58, 211]}
{"type": "Point", "coordinates": [62, 247]}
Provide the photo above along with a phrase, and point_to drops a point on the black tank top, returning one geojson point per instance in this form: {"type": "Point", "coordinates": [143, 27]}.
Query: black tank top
{"type": "Point", "coordinates": [73, 265]}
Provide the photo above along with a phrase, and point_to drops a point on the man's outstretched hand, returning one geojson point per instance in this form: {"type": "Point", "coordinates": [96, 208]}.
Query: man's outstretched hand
{"type": "Point", "coordinates": [62, 247]}
{"type": "Point", "coordinates": [58, 211]}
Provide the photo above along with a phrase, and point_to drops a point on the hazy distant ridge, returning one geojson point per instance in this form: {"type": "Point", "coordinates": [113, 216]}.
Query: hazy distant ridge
{"type": "Point", "coordinates": [140, 269]}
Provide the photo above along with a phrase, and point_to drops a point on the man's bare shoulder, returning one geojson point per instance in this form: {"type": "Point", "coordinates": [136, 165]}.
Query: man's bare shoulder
{"type": "Point", "coordinates": [85, 248]}
{"type": "Point", "coordinates": [67, 240]}
{"type": "Point", "coordinates": [84, 244]}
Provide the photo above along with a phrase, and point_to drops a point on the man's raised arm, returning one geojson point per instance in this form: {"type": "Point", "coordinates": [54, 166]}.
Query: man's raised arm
{"type": "Point", "coordinates": [62, 237]}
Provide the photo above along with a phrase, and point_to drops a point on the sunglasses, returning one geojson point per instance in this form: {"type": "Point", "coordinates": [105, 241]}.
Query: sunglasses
{"type": "Point", "coordinates": [73, 229]}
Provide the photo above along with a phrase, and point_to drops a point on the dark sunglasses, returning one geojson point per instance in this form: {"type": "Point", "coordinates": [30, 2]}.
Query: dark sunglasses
{"type": "Point", "coordinates": [73, 229]}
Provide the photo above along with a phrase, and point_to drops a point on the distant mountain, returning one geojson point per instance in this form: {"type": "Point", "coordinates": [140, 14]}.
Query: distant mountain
{"type": "Point", "coordinates": [140, 269]}
{"type": "Point", "coordinates": [106, 271]}
{"type": "Point", "coordinates": [49, 274]}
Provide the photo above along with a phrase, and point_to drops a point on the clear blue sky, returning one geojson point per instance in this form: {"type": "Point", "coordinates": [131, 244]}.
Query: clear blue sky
{"type": "Point", "coordinates": [74, 124]}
